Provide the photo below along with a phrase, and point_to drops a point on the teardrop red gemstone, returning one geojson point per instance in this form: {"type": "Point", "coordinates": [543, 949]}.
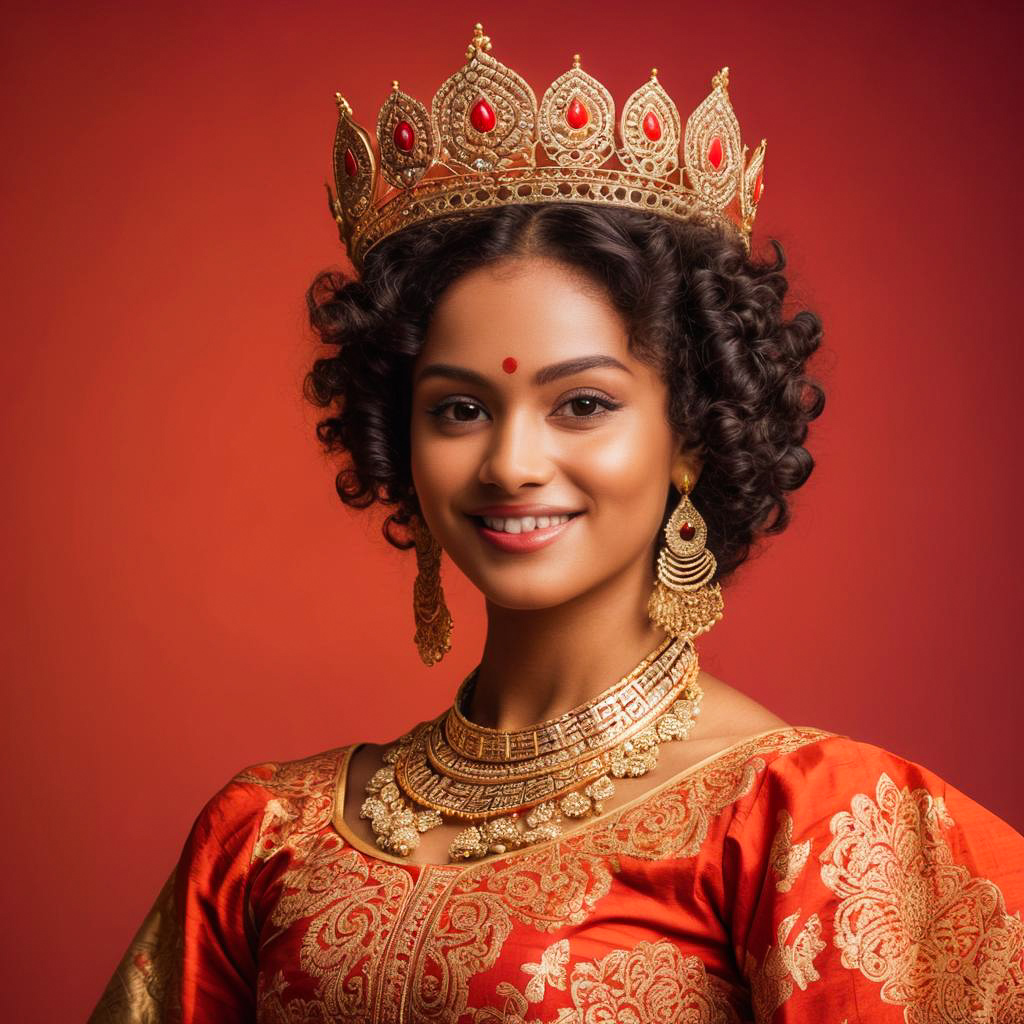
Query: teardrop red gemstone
{"type": "Point", "coordinates": [652, 126]}
{"type": "Point", "coordinates": [687, 530]}
{"type": "Point", "coordinates": [758, 186]}
{"type": "Point", "coordinates": [576, 114]}
{"type": "Point", "coordinates": [351, 167]}
{"type": "Point", "coordinates": [481, 117]}
{"type": "Point", "coordinates": [715, 152]}
{"type": "Point", "coordinates": [405, 137]}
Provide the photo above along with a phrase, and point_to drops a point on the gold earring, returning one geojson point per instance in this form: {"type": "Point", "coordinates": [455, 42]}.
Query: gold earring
{"type": "Point", "coordinates": [683, 601]}
{"type": "Point", "coordinates": [433, 620]}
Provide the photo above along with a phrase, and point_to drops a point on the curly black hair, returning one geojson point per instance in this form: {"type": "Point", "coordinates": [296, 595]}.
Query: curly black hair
{"type": "Point", "coordinates": [705, 314]}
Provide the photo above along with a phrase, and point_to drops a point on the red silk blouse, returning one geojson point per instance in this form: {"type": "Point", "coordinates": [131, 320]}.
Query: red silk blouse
{"type": "Point", "coordinates": [799, 875]}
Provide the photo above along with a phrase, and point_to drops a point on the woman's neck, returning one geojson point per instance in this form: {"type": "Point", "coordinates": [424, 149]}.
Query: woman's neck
{"type": "Point", "coordinates": [538, 664]}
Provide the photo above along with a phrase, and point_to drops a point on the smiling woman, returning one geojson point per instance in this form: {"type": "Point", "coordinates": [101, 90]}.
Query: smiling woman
{"type": "Point", "coordinates": [594, 411]}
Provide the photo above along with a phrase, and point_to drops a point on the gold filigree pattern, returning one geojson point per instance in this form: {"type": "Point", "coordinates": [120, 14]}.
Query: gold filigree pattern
{"type": "Point", "coordinates": [485, 115]}
{"type": "Point", "coordinates": [787, 860]}
{"type": "Point", "coordinates": [577, 119]}
{"type": "Point", "coordinates": [771, 983]}
{"type": "Point", "coordinates": [650, 130]}
{"type": "Point", "coordinates": [406, 138]}
{"type": "Point", "coordinates": [938, 940]}
{"type": "Point", "coordinates": [712, 152]}
{"type": "Point", "coordinates": [146, 987]}
{"type": "Point", "coordinates": [654, 981]}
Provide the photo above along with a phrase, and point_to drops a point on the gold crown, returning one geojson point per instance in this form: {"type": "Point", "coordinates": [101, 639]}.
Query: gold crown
{"type": "Point", "coordinates": [486, 143]}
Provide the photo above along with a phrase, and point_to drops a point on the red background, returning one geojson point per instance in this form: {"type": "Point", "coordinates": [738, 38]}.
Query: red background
{"type": "Point", "coordinates": [185, 595]}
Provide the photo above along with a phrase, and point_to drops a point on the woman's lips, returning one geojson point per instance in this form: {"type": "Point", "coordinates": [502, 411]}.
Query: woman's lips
{"type": "Point", "coordinates": [520, 543]}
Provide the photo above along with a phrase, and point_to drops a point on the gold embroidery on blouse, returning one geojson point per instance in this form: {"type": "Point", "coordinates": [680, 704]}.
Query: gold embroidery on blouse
{"type": "Point", "coordinates": [353, 902]}
{"type": "Point", "coordinates": [550, 971]}
{"type": "Point", "coordinates": [380, 950]}
{"type": "Point", "coordinates": [938, 939]}
{"type": "Point", "coordinates": [771, 983]}
{"type": "Point", "coordinates": [146, 987]}
{"type": "Point", "coordinates": [303, 796]}
{"type": "Point", "coordinates": [463, 940]}
{"type": "Point", "coordinates": [787, 860]}
{"type": "Point", "coordinates": [654, 981]}
{"type": "Point", "coordinates": [560, 883]}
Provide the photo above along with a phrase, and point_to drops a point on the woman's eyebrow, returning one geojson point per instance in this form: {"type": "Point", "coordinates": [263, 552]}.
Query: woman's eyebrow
{"type": "Point", "coordinates": [545, 375]}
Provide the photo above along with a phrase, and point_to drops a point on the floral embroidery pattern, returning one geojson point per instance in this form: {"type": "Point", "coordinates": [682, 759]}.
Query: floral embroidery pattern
{"type": "Point", "coordinates": [787, 860]}
{"type": "Point", "coordinates": [937, 939]}
{"type": "Point", "coordinates": [653, 982]}
{"type": "Point", "coordinates": [550, 971]}
{"type": "Point", "coordinates": [771, 984]}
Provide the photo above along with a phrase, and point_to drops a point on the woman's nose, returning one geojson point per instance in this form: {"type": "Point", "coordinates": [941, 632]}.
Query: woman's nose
{"type": "Point", "coordinates": [515, 456]}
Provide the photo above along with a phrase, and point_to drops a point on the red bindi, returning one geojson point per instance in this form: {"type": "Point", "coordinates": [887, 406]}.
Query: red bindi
{"type": "Point", "coordinates": [509, 364]}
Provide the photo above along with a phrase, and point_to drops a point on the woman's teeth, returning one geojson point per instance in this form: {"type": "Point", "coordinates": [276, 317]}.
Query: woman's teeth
{"type": "Point", "coordinates": [524, 524]}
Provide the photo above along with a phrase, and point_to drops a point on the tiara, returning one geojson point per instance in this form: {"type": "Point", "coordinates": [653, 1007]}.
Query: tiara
{"type": "Point", "coordinates": [485, 142]}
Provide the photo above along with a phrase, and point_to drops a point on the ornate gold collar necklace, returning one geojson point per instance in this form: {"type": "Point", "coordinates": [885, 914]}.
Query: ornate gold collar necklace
{"type": "Point", "coordinates": [560, 769]}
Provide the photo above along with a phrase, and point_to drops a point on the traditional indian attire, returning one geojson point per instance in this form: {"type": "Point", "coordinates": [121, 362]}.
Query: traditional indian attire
{"type": "Point", "coordinates": [799, 875]}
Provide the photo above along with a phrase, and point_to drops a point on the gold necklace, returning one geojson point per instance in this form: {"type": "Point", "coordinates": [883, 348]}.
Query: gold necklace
{"type": "Point", "coordinates": [559, 769]}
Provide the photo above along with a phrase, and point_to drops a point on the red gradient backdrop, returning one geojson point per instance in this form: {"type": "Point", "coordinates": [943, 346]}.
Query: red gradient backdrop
{"type": "Point", "coordinates": [185, 595]}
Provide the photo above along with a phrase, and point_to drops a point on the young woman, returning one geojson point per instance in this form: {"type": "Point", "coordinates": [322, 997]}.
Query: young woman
{"type": "Point", "coordinates": [580, 385]}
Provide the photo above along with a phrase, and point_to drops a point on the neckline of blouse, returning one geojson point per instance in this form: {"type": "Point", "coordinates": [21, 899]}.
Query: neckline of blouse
{"type": "Point", "coordinates": [336, 815]}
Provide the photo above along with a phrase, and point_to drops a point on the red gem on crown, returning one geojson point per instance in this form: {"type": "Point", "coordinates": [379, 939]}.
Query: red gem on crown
{"type": "Point", "coordinates": [481, 117]}
{"type": "Point", "coordinates": [576, 114]}
{"type": "Point", "coordinates": [652, 126]}
{"type": "Point", "coordinates": [715, 153]}
{"type": "Point", "coordinates": [351, 167]}
{"type": "Point", "coordinates": [405, 137]}
{"type": "Point", "coordinates": [758, 187]}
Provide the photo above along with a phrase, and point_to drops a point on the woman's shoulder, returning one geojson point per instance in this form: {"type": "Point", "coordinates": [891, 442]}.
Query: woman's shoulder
{"type": "Point", "coordinates": [851, 793]}
{"type": "Point", "coordinates": [267, 796]}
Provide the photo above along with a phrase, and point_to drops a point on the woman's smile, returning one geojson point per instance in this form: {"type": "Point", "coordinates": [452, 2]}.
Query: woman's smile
{"type": "Point", "coordinates": [521, 529]}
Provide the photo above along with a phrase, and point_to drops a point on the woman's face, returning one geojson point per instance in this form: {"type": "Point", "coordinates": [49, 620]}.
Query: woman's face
{"type": "Point", "coordinates": [528, 407]}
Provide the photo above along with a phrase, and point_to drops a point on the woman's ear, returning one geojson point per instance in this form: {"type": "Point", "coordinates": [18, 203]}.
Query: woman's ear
{"type": "Point", "coordinates": [687, 462]}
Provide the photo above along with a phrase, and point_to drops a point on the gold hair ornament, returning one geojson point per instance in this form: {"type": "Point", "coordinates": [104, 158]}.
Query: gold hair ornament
{"type": "Point", "coordinates": [485, 142]}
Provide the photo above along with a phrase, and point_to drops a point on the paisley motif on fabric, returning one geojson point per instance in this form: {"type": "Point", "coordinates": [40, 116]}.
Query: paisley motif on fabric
{"type": "Point", "coordinates": [938, 940]}
{"type": "Point", "coordinates": [771, 983]}
{"type": "Point", "coordinates": [462, 940]}
{"type": "Point", "coordinates": [653, 982]}
{"type": "Point", "coordinates": [787, 860]}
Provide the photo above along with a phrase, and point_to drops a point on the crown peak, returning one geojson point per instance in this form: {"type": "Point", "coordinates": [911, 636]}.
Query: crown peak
{"type": "Point", "coordinates": [575, 60]}
{"type": "Point", "coordinates": [480, 41]}
{"type": "Point", "coordinates": [342, 103]}
{"type": "Point", "coordinates": [654, 74]}
{"type": "Point", "coordinates": [721, 81]}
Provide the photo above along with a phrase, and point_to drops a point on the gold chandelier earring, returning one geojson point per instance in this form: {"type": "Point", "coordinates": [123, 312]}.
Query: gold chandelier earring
{"type": "Point", "coordinates": [433, 620]}
{"type": "Point", "coordinates": [684, 602]}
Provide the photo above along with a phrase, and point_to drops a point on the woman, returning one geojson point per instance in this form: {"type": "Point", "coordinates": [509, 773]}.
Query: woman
{"type": "Point", "coordinates": [575, 379]}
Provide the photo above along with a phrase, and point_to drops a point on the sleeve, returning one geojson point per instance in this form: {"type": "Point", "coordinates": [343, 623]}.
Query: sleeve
{"type": "Point", "coordinates": [193, 960]}
{"type": "Point", "coordinates": [863, 888]}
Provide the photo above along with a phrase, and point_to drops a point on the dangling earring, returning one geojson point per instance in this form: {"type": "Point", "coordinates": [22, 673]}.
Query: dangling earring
{"type": "Point", "coordinates": [433, 620]}
{"type": "Point", "coordinates": [683, 602]}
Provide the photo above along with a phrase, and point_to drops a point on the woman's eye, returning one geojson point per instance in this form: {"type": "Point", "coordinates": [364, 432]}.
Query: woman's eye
{"type": "Point", "coordinates": [460, 411]}
{"type": "Point", "coordinates": [587, 406]}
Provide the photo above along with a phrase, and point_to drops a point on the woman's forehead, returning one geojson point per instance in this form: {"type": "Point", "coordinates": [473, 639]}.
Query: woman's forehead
{"type": "Point", "coordinates": [523, 314]}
